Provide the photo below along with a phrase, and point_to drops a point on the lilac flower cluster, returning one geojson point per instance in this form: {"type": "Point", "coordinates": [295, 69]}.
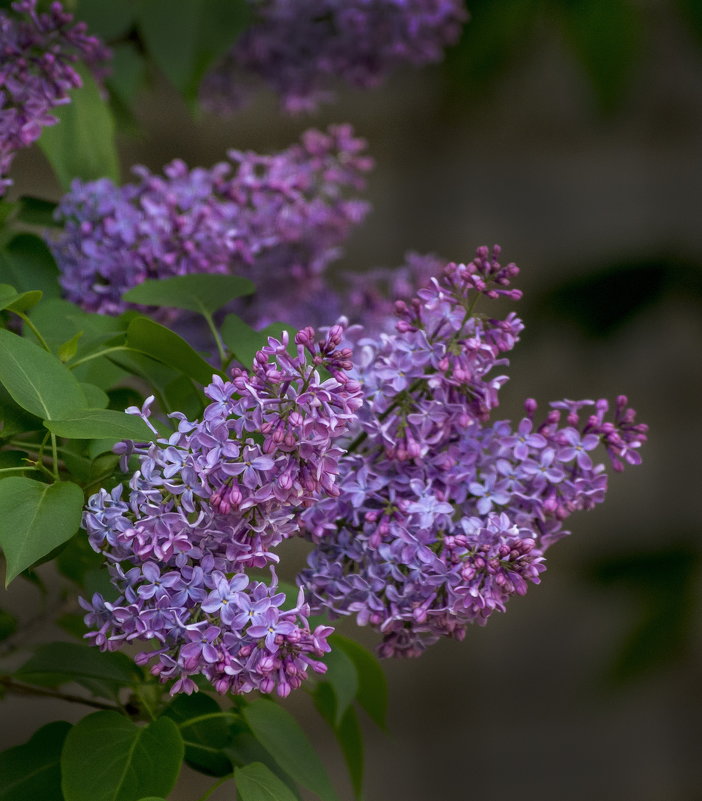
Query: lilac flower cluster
{"type": "Point", "coordinates": [442, 516]}
{"type": "Point", "coordinates": [278, 219]}
{"type": "Point", "coordinates": [214, 500]}
{"type": "Point", "coordinates": [37, 57]}
{"type": "Point", "coordinates": [301, 49]}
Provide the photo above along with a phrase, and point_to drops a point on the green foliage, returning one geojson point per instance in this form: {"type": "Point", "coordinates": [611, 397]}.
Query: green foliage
{"type": "Point", "coordinates": [26, 263]}
{"type": "Point", "coordinates": [82, 144]}
{"type": "Point", "coordinates": [243, 341]}
{"type": "Point", "coordinates": [101, 423]}
{"type": "Point", "coordinates": [188, 37]}
{"type": "Point", "coordinates": [280, 734]}
{"type": "Point", "coordinates": [36, 380]}
{"type": "Point", "coordinates": [256, 782]}
{"type": "Point", "coordinates": [342, 677]}
{"type": "Point", "coordinates": [32, 771]}
{"type": "Point", "coordinates": [8, 625]}
{"type": "Point", "coordinates": [165, 345]}
{"type": "Point", "coordinates": [36, 518]}
{"type": "Point", "coordinates": [372, 684]}
{"type": "Point", "coordinates": [199, 293]}
{"type": "Point", "coordinates": [57, 663]}
{"type": "Point", "coordinates": [108, 758]}
{"type": "Point", "coordinates": [205, 731]}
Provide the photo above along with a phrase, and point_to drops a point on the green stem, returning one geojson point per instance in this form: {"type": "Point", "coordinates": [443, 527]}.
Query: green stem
{"type": "Point", "coordinates": [217, 338]}
{"type": "Point", "coordinates": [209, 716]}
{"type": "Point", "coordinates": [20, 688]}
{"type": "Point", "coordinates": [54, 454]}
{"type": "Point", "coordinates": [34, 330]}
{"type": "Point", "coordinates": [100, 353]}
{"type": "Point", "coordinates": [13, 469]}
{"type": "Point", "coordinates": [34, 446]}
{"type": "Point", "coordinates": [213, 788]}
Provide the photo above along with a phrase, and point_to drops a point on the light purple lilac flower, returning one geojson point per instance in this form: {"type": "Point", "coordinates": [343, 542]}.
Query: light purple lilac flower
{"type": "Point", "coordinates": [277, 219]}
{"type": "Point", "coordinates": [303, 49]}
{"type": "Point", "coordinates": [442, 514]}
{"type": "Point", "coordinates": [38, 54]}
{"type": "Point", "coordinates": [212, 501]}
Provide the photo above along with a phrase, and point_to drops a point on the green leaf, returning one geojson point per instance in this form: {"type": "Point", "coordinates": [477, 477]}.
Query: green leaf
{"type": "Point", "coordinates": [243, 341]}
{"type": "Point", "coordinates": [107, 20]}
{"type": "Point", "coordinates": [56, 663]}
{"type": "Point", "coordinates": [165, 345]}
{"type": "Point", "coordinates": [36, 518]}
{"type": "Point", "coordinates": [279, 733]}
{"type": "Point", "coordinates": [37, 211]}
{"type": "Point", "coordinates": [95, 397]}
{"type": "Point", "coordinates": [26, 263]}
{"type": "Point", "coordinates": [607, 38]}
{"type": "Point", "coordinates": [36, 380]}
{"type": "Point", "coordinates": [347, 731]}
{"type": "Point", "coordinates": [69, 348]}
{"type": "Point", "coordinates": [186, 38]}
{"type": "Point", "coordinates": [32, 771]}
{"type": "Point", "coordinates": [256, 783]}
{"type": "Point", "coordinates": [204, 740]}
{"type": "Point", "coordinates": [18, 301]}
{"type": "Point", "coordinates": [108, 758]}
{"type": "Point", "coordinates": [101, 423]}
{"type": "Point", "coordinates": [82, 144]}
{"type": "Point", "coordinates": [128, 71]}
{"type": "Point", "coordinates": [8, 625]}
{"type": "Point", "coordinates": [342, 676]}
{"type": "Point", "coordinates": [372, 684]}
{"type": "Point", "coordinates": [199, 293]}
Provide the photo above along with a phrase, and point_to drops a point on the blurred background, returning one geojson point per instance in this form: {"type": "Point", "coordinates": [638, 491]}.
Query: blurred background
{"type": "Point", "coordinates": [569, 131]}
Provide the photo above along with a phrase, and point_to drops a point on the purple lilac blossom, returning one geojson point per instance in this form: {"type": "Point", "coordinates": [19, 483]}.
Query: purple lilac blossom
{"type": "Point", "coordinates": [444, 515]}
{"type": "Point", "coordinates": [38, 54]}
{"type": "Point", "coordinates": [214, 500]}
{"type": "Point", "coordinates": [277, 219]}
{"type": "Point", "coordinates": [302, 48]}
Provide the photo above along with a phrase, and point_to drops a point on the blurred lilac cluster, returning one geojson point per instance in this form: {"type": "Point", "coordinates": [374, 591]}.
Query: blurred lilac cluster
{"type": "Point", "coordinates": [214, 500]}
{"type": "Point", "coordinates": [302, 48]}
{"type": "Point", "coordinates": [277, 219]}
{"type": "Point", "coordinates": [442, 516]}
{"type": "Point", "coordinates": [38, 52]}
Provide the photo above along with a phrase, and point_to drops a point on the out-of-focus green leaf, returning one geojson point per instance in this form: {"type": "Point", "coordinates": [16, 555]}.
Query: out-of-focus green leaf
{"type": "Point", "coordinates": [82, 144]}
{"type": "Point", "coordinates": [36, 518]}
{"type": "Point", "coordinates": [37, 211]}
{"type": "Point", "coordinates": [26, 263]}
{"type": "Point", "coordinates": [372, 685]}
{"type": "Point", "coordinates": [186, 38]}
{"type": "Point", "coordinates": [607, 36]}
{"type": "Point", "coordinates": [347, 731]}
{"type": "Point", "coordinates": [256, 782]}
{"type": "Point", "coordinates": [32, 771]}
{"type": "Point", "coordinates": [107, 20]}
{"type": "Point", "coordinates": [343, 678]}
{"type": "Point", "coordinates": [108, 758]}
{"type": "Point", "coordinates": [165, 345]}
{"type": "Point", "coordinates": [202, 293]}
{"type": "Point", "coordinates": [8, 624]}
{"type": "Point", "coordinates": [280, 734]}
{"type": "Point", "coordinates": [128, 72]}
{"type": "Point", "coordinates": [95, 397]}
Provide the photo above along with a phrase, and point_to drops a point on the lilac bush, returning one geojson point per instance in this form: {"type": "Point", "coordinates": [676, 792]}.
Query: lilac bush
{"type": "Point", "coordinates": [279, 219]}
{"type": "Point", "coordinates": [302, 48]}
{"type": "Point", "coordinates": [38, 57]}
{"type": "Point", "coordinates": [214, 499]}
{"type": "Point", "coordinates": [444, 515]}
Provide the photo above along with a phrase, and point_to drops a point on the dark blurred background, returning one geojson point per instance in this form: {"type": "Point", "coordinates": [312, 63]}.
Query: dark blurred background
{"type": "Point", "coordinates": [569, 131]}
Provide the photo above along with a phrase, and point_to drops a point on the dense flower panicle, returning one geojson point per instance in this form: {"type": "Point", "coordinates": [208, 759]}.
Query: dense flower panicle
{"type": "Point", "coordinates": [38, 53]}
{"type": "Point", "coordinates": [303, 48]}
{"type": "Point", "coordinates": [442, 515]}
{"type": "Point", "coordinates": [277, 219]}
{"type": "Point", "coordinates": [211, 501]}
